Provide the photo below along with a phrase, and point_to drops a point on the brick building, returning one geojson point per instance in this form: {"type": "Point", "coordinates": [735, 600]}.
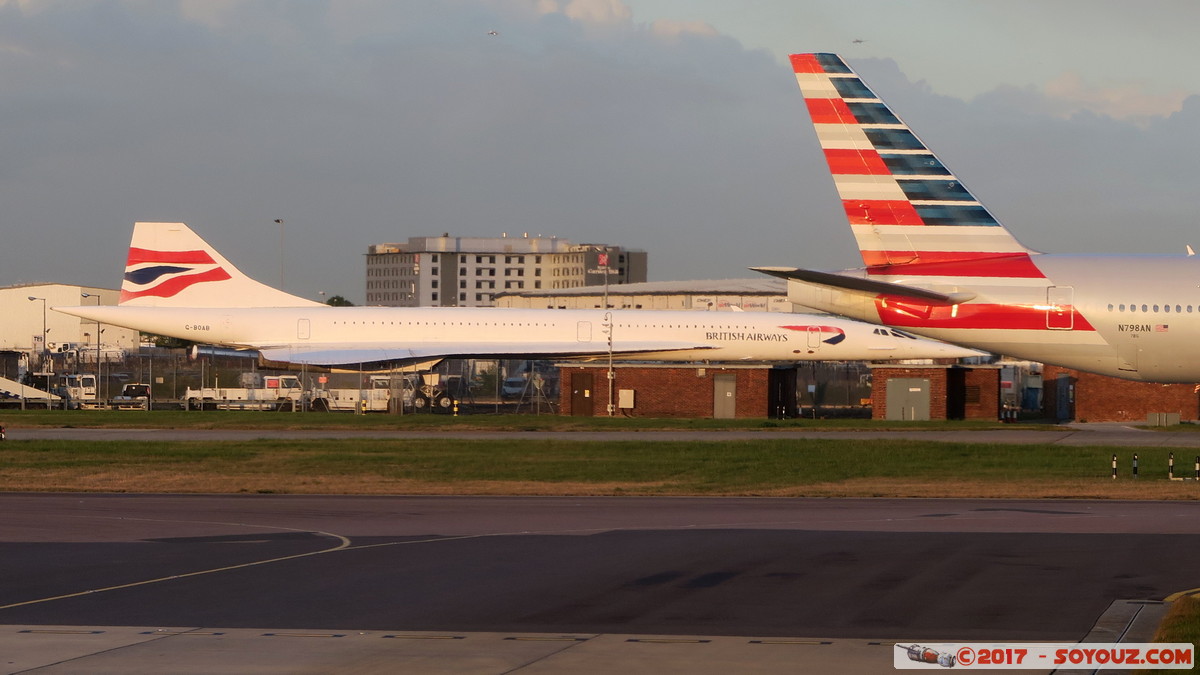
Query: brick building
{"type": "Point", "coordinates": [737, 391]}
{"type": "Point", "coordinates": [942, 392]}
{"type": "Point", "coordinates": [1072, 395]}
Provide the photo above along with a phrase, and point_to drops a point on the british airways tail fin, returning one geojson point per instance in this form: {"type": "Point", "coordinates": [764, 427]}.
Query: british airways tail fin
{"type": "Point", "coordinates": [169, 265]}
{"type": "Point", "coordinates": [903, 204]}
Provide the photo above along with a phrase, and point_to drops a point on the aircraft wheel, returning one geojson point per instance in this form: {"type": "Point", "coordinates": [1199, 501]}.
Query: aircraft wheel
{"type": "Point", "coordinates": [420, 403]}
{"type": "Point", "coordinates": [444, 402]}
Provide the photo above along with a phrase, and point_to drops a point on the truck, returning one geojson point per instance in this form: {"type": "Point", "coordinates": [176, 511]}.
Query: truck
{"type": "Point", "coordinates": [436, 392]}
{"type": "Point", "coordinates": [79, 391]}
{"type": "Point", "coordinates": [418, 392]}
{"type": "Point", "coordinates": [258, 392]}
{"type": "Point", "coordinates": [374, 396]}
{"type": "Point", "coordinates": [133, 396]}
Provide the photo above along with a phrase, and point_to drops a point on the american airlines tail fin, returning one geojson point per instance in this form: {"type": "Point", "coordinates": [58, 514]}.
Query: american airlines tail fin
{"type": "Point", "coordinates": [903, 204]}
{"type": "Point", "coordinates": [169, 265]}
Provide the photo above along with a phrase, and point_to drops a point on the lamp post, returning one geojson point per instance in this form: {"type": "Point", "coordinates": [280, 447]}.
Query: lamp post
{"type": "Point", "coordinates": [602, 259]}
{"type": "Point", "coordinates": [43, 357]}
{"type": "Point", "coordinates": [97, 297]}
{"type": "Point", "coordinates": [279, 222]}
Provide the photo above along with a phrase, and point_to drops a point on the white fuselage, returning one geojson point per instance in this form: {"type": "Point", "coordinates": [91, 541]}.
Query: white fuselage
{"type": "Point", "coordinates": [1136, 317]}
{"type": "Point", "coordinates": [716, 336]}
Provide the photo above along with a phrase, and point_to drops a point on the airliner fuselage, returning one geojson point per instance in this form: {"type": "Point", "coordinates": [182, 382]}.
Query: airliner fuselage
{"type": "Point", "coordinates": [317, 334]}
{"type": "Point", "coordinates": [1136, 317]}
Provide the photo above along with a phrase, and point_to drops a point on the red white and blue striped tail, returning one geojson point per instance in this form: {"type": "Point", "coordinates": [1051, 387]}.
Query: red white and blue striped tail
{"type": "Point", "coordinates": [904, 206]}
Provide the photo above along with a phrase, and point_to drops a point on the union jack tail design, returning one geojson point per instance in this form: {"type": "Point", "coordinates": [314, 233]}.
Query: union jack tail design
{"type": "Point", "coordinates": [169, 265]}
{"type": "Point", "coordinates": [904, 206]}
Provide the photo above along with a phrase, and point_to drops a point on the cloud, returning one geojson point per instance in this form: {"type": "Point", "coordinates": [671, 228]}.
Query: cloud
{"type": "Point", "coordinates": [603, 12]}
{"type": "Point", "coordinates": [672, 29]}
{"type": "Point", "coordinates": [365, 121]}
{"type": "Point", "coordinates": [1063, 179]}
{"type": "Point", "coordinates": [359, 122]}
{"type": "Point", "coordinates": [1070, 94]}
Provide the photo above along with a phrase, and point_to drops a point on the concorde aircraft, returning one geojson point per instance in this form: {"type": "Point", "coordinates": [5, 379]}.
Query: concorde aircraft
{"type": "Point", "coordinates": [938, 264]}
{"type": "Point", "coordinates": [176, 284]}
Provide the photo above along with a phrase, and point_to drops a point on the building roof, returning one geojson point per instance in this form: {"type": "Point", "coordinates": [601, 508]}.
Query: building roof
{"type": "Point", "coordinates": [755, 286]}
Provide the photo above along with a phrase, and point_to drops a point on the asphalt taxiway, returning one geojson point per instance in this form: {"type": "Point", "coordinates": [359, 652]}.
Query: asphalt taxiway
{"type": "Point", "coordinates": [518, 584]}
{"type": "Point", "coordinates": [1114, 434]}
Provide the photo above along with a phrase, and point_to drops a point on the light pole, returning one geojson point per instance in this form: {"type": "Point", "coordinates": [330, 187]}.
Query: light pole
{"type": "Point", "coordinates": [608, 321]}
{"type": "Point", "coordinates": [97, 297]}
{"type": "Point", "coordinates": [43, 358]}
{"type": "Point", "coordinates": [279, 221]}
{"type": "Point", "coordinates": [602, 259]}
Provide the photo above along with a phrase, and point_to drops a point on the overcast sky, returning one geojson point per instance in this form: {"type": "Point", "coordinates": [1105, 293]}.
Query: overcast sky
{"type": "Point", "coordinates": [672, 126]}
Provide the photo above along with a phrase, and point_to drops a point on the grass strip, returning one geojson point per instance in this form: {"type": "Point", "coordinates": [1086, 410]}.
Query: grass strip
{"type": "Point", "coordinates": [1181, 624]}
{"type": "Point", "coordinates": [778, 467]}
{"type": "Point", "coordinates": [242, 419]}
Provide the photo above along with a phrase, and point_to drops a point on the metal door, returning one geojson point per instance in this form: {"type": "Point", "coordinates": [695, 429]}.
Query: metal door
{"type": "Point", "coordinates": [1064, 405]}
{"type": "Point", "coordinates": [724, 396]}
{"type": "Point", "coordinates": [303, 329]}
{"type": "Point", "coordinates": [583, 331]}
{"type": "Point", "coordinates": [582, 394]}
{"type": "Point", "coordinates": [908, 398]}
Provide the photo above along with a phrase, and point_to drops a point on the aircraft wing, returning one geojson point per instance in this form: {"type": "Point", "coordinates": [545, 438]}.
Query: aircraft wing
{"type": "Point", "coordinates": [342, 354]}
{"type": "Point", "coordinates": [866, 286]}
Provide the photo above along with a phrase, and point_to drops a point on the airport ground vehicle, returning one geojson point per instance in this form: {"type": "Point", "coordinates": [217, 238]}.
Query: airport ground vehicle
{"type": "Point", "coordinates": [416, 391]}
{"type": "Point", "coordinates": [513, 387]}
{"type": "Point", "coordinates": [378, 393]}
{"type": "Point", "coordinates": [375, 395]}
{"type": "Point", "coordinates": [79, 391]}
{"type": "Point", "coordinates": [134, 396]}
{"type": "Point", "coordinates": [259, 392]}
